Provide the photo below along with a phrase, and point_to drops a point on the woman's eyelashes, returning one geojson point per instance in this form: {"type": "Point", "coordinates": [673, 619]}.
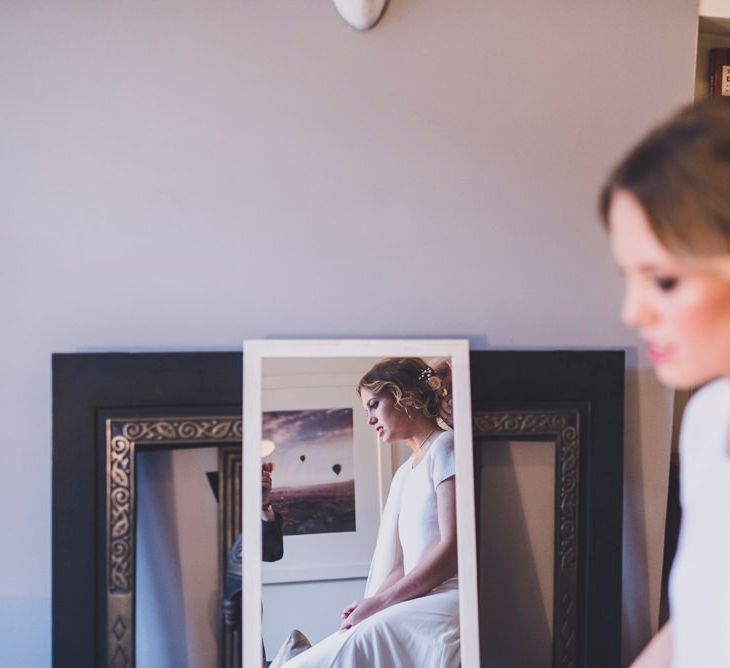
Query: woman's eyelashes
{"type": "Point", "coordinates": [666, 283]}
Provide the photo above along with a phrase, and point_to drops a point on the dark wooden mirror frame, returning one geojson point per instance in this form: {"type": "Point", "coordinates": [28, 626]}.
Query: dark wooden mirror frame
{"type": "Point", "coordinates": [559, 429]}
{"type": "Point", "coordinates": [514, 393]}
{"type": "Point", "coordinates": [125, 433]}
{"type": "Point", "coordinates": [517, 395]}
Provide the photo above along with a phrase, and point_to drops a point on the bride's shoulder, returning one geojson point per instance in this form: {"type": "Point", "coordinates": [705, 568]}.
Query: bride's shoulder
{"type": "Point", "coordinates": [442, 446]}
{"type": "Point", "coordinates": [445, 440]}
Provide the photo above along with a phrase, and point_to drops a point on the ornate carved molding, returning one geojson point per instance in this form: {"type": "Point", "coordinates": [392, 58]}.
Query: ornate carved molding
{"type": "Point", "coordinates": [188, 430]}
{"type": "Point", "coordinates": [120, 451]}
{"type": "Point", "coordinates": [123, 437]}
{"type": "Point", "coordinates": [561, 427]}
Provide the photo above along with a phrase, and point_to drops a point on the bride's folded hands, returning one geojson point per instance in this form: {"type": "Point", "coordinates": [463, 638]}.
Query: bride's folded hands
{"type": "Point", "coordinates": [359, 610]}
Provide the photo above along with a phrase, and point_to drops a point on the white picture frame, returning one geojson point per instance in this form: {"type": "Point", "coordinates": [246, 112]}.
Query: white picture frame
{"type": "Point", "coordinates": [255, 352]}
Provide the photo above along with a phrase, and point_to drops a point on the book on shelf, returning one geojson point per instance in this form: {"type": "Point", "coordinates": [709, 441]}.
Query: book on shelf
{"type": "Point", "coordinates": [719, 72]}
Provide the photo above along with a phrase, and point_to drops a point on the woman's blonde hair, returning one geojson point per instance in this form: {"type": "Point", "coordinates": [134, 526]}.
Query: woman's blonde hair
{"type": "Point", "coordinates": [680, 175]}
{"type": "Point", "coordinates": [412, 384]}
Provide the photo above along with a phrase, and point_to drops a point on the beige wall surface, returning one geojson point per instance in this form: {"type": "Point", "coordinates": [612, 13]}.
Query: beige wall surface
{"type": "Point", "coordinates": [183, 175]}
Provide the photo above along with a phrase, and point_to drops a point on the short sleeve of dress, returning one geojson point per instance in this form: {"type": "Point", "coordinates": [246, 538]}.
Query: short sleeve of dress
{"type": "Point", "coordinates": [443, 463]}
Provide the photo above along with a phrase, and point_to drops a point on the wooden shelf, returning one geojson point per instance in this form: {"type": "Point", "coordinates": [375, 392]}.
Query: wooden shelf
{"type": "Point", "coordinates": [713, 32]}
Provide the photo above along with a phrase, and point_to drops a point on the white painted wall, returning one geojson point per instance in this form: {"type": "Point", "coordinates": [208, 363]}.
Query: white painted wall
{"type": "Point", "coordinates": [181, 175]}
{"type": "Point", "coordinates": [314, 608]}
{"type": "Point", "coordinates": [715, 8]}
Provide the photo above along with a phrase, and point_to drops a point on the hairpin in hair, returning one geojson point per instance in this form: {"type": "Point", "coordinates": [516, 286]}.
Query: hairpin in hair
{"type": "Point", "coordinates": [428, 376]}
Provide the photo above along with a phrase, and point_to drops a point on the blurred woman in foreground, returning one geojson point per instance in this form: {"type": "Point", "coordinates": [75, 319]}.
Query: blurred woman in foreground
{"type": "Point", "coordinates": [667, 211]}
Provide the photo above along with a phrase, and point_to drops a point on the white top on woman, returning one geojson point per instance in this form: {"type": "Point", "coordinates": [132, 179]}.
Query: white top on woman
{"type": "Point", "coordinates": [699, 586]}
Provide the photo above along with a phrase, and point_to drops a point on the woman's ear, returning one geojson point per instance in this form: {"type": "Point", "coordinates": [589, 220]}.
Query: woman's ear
{"type": "Point", "coordinates": [361, 14]}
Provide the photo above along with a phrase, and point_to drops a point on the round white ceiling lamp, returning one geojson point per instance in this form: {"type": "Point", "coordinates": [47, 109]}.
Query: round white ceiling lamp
{"type": "Point", "coordinates": [361, 14]}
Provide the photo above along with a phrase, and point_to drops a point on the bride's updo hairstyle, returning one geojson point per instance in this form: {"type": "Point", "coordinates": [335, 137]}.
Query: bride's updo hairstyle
{"type": "Point", "coordinates": [413, 385]}
{"type": "Point", "coordinates": [680, 175]}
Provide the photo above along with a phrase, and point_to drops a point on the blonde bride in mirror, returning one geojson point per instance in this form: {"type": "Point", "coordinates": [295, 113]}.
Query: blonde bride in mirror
{"type": "Point", "coordinates": [409, 615]}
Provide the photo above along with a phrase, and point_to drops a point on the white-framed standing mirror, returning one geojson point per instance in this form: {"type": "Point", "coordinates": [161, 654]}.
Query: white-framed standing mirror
{"type": "Point", "coordinates": [335, 463]}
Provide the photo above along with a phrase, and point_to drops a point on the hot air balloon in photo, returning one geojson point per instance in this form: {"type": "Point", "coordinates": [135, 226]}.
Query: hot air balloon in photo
{"type": "Point", "coordinates": [314, 487]}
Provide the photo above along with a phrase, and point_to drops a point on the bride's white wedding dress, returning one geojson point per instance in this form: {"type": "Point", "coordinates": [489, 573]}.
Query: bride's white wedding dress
{"type": "Point", "coordinates": [422, 632]}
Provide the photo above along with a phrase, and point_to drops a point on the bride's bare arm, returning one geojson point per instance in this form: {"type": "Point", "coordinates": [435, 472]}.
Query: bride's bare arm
{"type": "Point", "coordinates": [395, 574]}
{"type": "Point", "coordinates": [658, 653]}
{"type": "Point", "coordinates": [438, 565]}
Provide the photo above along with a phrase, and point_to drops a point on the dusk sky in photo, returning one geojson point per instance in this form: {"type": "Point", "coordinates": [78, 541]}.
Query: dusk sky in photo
{"type": "Point", "coordinates": [324, 437]}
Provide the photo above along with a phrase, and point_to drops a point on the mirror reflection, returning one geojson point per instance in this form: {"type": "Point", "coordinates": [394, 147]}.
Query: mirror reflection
{"type": "Point", "coordinates": [188, 565]}
{"type": "Point", "coordinates": [362, 480]}
{"type": "Point", "coordinates": [517, 483]}
{"type": "Point", "coordinates": [177, 603]}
